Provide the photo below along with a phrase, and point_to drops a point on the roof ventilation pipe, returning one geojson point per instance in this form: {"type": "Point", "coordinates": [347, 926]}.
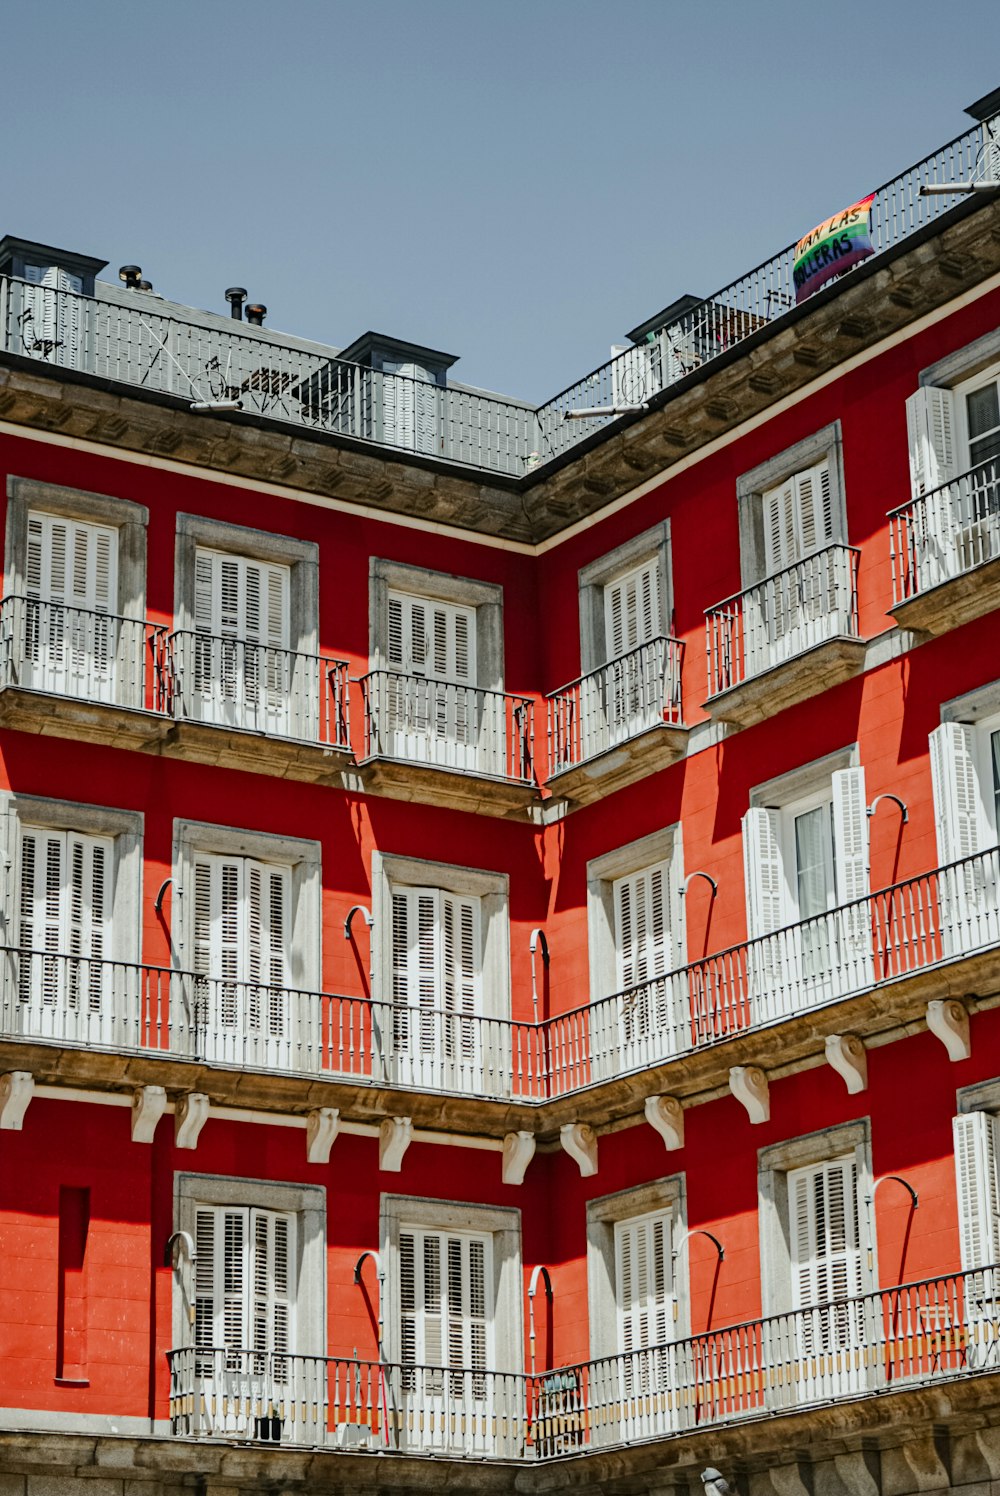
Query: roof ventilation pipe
{"type": "Point", "coordinates": [236, 296]}
{"type": "Point", "coordinates": [256, 314]}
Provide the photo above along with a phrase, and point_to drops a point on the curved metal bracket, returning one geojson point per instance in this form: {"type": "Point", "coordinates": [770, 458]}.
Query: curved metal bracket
{"type": "Point", "coordinates": [365, 913]}
{"type": "Point", "coordinates": [172, 1240]}
{"type": "Point", "coordinates": [363, 1259]}
{"type": "Point", "coordinates": [540, 1271]}
{"type": "Point", "coordinates": [699, 874]}
{"type": "Point", "coordinates": [699, 1231]}
{"type": "Point", "coordinates": [898, 1178]}
{"type": "Point", "coordinates": [538, 937]}
{"type": "Point", "coordinates": [158, 901]}
{"type": "Point", "coordinates": [888, 795]}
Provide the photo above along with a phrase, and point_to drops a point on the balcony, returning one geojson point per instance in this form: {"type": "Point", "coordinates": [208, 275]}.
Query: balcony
{"type": "Point", "coordinates": [912, 1336]}
{"type": "Point", "coordinates": [785, 639]}
{"type": "Point", "coordinates": [618, 723]}
{"type": "Point", "coordinates": [934, 935]}
{"type": "Point", "coordinates": [251, 706]}
{"type": "Point", "coordinates": [946, 553]}
{"type": "Point", "coordinates": [441, 743]}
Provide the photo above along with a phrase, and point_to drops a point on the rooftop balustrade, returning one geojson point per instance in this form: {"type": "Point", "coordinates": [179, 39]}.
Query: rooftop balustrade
{"type": "Point", "coordinates": [910, 1336]}
{"type": "Point", "coordinates": [130, 339]}
{"type": "Point", "coordinates": [86, 999]}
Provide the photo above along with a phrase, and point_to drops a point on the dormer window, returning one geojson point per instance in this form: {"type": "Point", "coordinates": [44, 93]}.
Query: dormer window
{"type": "Point", "coordinates": [50, 291]}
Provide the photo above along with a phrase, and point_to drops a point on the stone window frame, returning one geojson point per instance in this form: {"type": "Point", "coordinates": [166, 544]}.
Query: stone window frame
{"type": "Point", "coordinates": [774, 1164]}
{"type": "Point", "coordinates": [805, 780]}
{"type": "Point", "coordinates": [306, 1201]}
{"type": "Point", "coordinates": [753, 484]}
{"type": "Point", "coordinates": [974, 706]}
{"type": "Point", "coordinates": [130, 519]}
{"type": "Point", "coordinates": [593, 578]}
{"type": "Point", "coordinates": [502, 1223]}
{"type": "Point", "coordinates": [981, 1096]}
{"type": "Point", "coordinates": [959, 371]}
{"type": "Point", "coordinates": [302, 556]}
{"type": "Point", "coordinates": [391, 869]}
{"type": "Point", "coordinates": [485, 597]}
{"type": "Point", "coordinates": [665, 845]}
{"type": "Point", "coordinates": [603, 1214]}
{"type": "Point", "coordinates": [303, 855]}
{"type": "Point", "coordinates": [124, 827]}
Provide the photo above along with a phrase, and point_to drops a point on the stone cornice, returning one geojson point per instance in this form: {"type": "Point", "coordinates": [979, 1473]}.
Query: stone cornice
{"type": "Point", "coordinates": [883, 298]}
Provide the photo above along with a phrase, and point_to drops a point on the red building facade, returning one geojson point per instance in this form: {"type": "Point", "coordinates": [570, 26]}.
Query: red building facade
{"type": "Point", "coordinates": [408, 1057]}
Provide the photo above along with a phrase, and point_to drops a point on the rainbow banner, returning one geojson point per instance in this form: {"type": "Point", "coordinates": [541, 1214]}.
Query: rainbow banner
{"type": "Point", "coordinates": [833, 247]}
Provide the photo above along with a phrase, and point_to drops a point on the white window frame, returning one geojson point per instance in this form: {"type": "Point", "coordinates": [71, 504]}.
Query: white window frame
{"type": "Point", "coordinates": [130, 520]}
{"type": "Point", "coordinates": [593, 579]}
{"type": "Point", "coordinates": [486, 598]}
{"type": "Point", "coordinates": [961, 372]}
{"type": "Point", "coordinates": [667, 1195]}
{"type": "Point", "coordinates": [307, 1202]}
{"type": "Point", "coordinates": [751, 486]}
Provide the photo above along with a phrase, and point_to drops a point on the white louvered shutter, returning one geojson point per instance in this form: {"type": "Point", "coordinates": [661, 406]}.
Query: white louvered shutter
{"type": "Point", "coordinates": [410, 407]}
{"type": "Point", "coordinates": [633, 610]}
{"type": "Point", "coordinates": [461, 961]}
{"type": "Point", "coordinates": [642, 908]}
{"type": "Point", "coordinates": [446, 1305]}
{"type": "Point", "coordinates": [977, 1177]}
{"type": "Point", "coordinates": [65, 910]}
{"type": "Point", "coordinates": [430, 638]}
{"type": "Point", "coordinates": [762, 869]}
{"type": "Point", "coordinates": [268, 932]}
{"type": "Point", "coordinates": [850, 834]}
{"type": "Point", "coordinates": [416, 969]}
{"type": "Point", "coordinates": [959, 813]}
{"type": "Point", "coordinates": [931, 433]}
{"type": "Point", "coordinates": [239, 598]}
{"type": "Point", "coordinates": [798, 517]}
{"type": "Point", "coordinates": [644, 1288]}
{"type": "Point", "coordinates": [272, 1286]}
{"type": "Point", "coordinates": [221, 1301]}
{"type": "Point", "coordinates": [241, 948]}
{"type": "Point", "coordinates": [825, 1234]}
{"type": "Point", "coordinates": [71, 562]}
{"type": "Point", "coordinates": [58, 315]}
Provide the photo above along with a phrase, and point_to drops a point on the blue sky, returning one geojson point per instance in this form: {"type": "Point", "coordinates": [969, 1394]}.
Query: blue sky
{"type": "Point", "coordinates": [518, 183]}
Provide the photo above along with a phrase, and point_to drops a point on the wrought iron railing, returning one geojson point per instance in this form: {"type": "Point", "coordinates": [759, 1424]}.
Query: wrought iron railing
{"type": "Point", "coordinates": [782, 616]}
{"type": "Point", "coordinates": [88, 655]}
{"type": "Point", "coordinates": [615, 703]}
{"type": "Point", "coordinates": [909, 1336]}
{"type": "Point", "coordinates": [230, 682]}
{"type": "Point", "coordinates": [85, 999]}
{"type": "Point", "coordinates": [945, 533]}
{"type": "Point", "coordinates": [132, 341]}
{"type": "Point", "coordinates": [416, 719]}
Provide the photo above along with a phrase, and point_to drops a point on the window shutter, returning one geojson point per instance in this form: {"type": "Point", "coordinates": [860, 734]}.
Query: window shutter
{"type": "Point", "coordinates": [268, 916]}
{"type": "Point", "coordinates": [779, 527]}
{"type": "Point", "coordinates": [221, 1304]}
{"type": "Point", "coordinates": [644, 1289]}
{"type": "Point", "coordinates": [239, 598]}
{"type": "Point", "coordinates": [930, 429]}
{"type": "Point", "coordinates": [957, 795]}
{"type": "Point", "coordinates": [73, 563]}
{"type": "Point", "coordinates": [642, 911]}
{"type": "Point", "coordinates": [272, 1283]}
{"type": "Point", "coordinates": [763, 871]}
{"type": "Point", "coordinates": [462, 972]}
{"type": "Point", "coordinates": [446, 1306]}
{"type": "Point", "coordinates": [826, 1246]}
{"type": "Point", "coordinates": [850, 820]}
{"type": "Point", "coordinates": [977, 1146]}
{"type": "Point", "coordinates": [432, 638]}
{"type": "Point", "coordinates": [65, 908]}
{"type": "Point", "coordinates": [814, 509]}
{"type": "Point", "coordinates": [633, 610]}
{"type": "Point", "coordinates": [416, 964]}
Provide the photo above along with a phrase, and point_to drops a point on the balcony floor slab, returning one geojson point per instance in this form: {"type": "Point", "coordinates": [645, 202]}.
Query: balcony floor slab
{"type": "Point", "coordinates": [947, 606]}
{"type": "Point", "coordinates": [798, 679]}
{"type": "Point", "coordinates": [452, 789]}
{"type": "Point", "coordinates": [231, 748]}
{"type": "Point", "coordinates": [622, 765]}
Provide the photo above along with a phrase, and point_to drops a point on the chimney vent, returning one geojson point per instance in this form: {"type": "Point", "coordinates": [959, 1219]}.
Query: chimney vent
{"type": "Point", "coordinates": [236, 296]}
{"type": "Point", "coordinates": [132, 277]}
{"type": "Point", "coordinates": [256, 314]}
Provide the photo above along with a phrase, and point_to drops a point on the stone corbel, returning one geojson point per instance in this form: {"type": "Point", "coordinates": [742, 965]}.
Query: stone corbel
{"type": "Point", "coordinates": [948, 1020]}
{"type": "Point", "coordinates": [190, 1116]}
{"type": "Point", "coordinates": [666, 1115]}
{"type": "Point", "coordinates": [394, 1137]}
{"type": "Point", "coordinates": [16, 1089]}
{"type": "Point", "coordinates": [148, 1105]}
{"type": "Point", "coordinates": [518, 1151]}
{"type": "Point", "coordinates": [748, 1084]}
{"type": "Point", "coordinates": [322, 1126]}
{"type": "Point", "coordinates": [846, 1054]}
{"type": "Point", "coordinates": [580, 1141]}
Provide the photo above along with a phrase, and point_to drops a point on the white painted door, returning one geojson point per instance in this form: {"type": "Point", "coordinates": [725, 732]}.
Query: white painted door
{"type": "Point", "coordinates": [429, 706]}
{"type": "Point", "coordinates": [69, 638]}
{"type": "Point", "coordinates": [244, 1323]}
{"type": "Point", "coordinates": [437, 980]}
{"type": "Point", "coordinates": [237, 671]}
{"type": "Point", "coordinates": [64, 990]}
{"type": "Point", "coordinates": [242, 1008]}
{"type": "Point", "coordinates": [977, 1177]}
{"type": "Point", "coordinates": [828, 1313]}
{"type": "Point", "coordinates": [446, 1337]}
{"type": "Point", "coordinates": [644, 1297]}
{"type": "Point", "coordinates": [800, 602]}
{"type": "Point", "coordinates": [647, 953]}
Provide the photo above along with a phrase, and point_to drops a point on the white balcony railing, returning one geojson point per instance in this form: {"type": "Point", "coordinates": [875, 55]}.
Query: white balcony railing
{"type": "Point", "coordinates": [58, 650]}
{"type": "Point", "coordinates": [230, 682]}
{"type": "Point", "coordinates": [418, 720]}
{"type": "Point", "coordinates": [615, 703]}
{"type": "Point", "coordinates": [782, 617]}
{"type": "Point", "coordinates": [911, 1336]}
{"type": "Point", "coordinates": [946, 533]}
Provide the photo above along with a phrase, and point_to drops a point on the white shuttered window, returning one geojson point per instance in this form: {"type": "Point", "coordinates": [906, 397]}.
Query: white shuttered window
{"type": "Point", "coordinates": [633, 609]}
{"type": "Point", "coordinates": [65, 901]}
{"type": "Point", "coordinates": [977, 1174]}
{"type": "Point", "coordinates": [242, 947]}
{"type": "Point", "coordinates": [429, 638]}
{"type": "Point", "coordinates": [446, 1303]}
{"type": "Point", "coordinates": [798, 517]}
{"type": "Point", "coordinates": [241, 670]}
{"type": "Point", "coordinates": [931, 434]}
{"type": "Point", "coordinates": [644, 1288]}
{"type": "Point", "coordinates": [436, 979]}
{"type": "Point", "coordinates": [244, 1288]}
{"type": "Point", "coordinates": [71, 580]}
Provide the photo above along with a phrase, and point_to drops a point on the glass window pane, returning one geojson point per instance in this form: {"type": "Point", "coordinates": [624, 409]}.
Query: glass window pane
{"type": "Point", "coordinates": [814, 861]}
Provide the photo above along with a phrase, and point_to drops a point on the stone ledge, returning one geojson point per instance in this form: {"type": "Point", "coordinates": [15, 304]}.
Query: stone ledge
{"type": "Point", "coordinates": [806, 675]}
{"type": "Point", "coordinates": [621, 765]}
{"type": "Point", "coordinates": [971, 595]}
{"type": "Point", "coordinates": [449, 789]}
